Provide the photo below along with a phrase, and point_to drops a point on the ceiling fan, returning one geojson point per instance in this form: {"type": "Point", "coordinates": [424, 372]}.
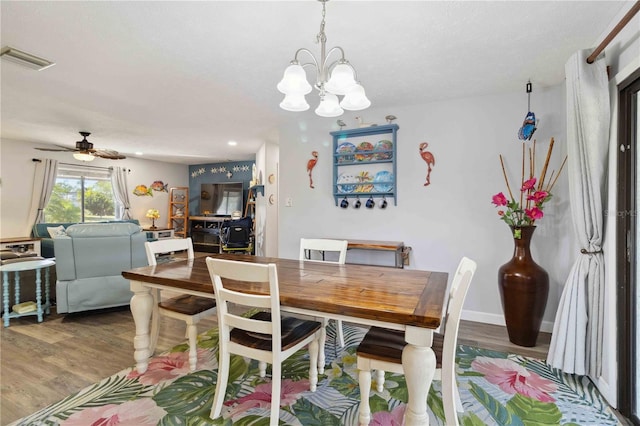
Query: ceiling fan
{"type": "Point", "coordinates": [84, 150]}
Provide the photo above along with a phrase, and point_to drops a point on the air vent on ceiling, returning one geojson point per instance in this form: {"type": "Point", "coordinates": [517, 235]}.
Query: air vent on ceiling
{"type": "Point", "coordinates": [23, 58]}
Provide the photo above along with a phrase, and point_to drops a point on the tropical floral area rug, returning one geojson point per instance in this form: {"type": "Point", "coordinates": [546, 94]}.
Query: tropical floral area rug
{"type": "Point", "coordinates": [495, 388]}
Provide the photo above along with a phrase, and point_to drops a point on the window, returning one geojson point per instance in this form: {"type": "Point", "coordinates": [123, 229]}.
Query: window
{"type": "Point", "coordinates": [81, 194]}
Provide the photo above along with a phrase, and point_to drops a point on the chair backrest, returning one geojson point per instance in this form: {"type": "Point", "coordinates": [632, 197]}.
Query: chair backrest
{"type": "Point", "coordinates": [167, 246]}
{"type": "Point", "coordinates": [249, 273]}
{"type": "Point", "coordinates": [457, 295]}
{"type": "Point", "coordinates": [324, 245]}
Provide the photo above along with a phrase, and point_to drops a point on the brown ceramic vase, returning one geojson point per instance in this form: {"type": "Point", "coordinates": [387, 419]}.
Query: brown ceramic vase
{"type": "Point", "coordinates": [524, 287]}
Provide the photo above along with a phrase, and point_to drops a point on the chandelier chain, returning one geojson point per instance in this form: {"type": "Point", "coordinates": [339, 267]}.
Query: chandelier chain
{"type": "Point", "coordinates": [322, 37]}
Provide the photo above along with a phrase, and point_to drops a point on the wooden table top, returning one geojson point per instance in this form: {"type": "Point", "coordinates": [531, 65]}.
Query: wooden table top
{"type": "Point", "coordinates": [393, 295]}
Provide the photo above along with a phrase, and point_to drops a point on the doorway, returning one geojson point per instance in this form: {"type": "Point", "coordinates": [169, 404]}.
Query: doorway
{"type": "Point", "coordinates": [628, 235]}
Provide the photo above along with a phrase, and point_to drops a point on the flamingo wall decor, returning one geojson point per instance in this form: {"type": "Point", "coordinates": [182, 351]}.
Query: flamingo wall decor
{"type": "Point", "coordinates": [310, 165]}
{"type": "Point", "coordinates": [429, 159]}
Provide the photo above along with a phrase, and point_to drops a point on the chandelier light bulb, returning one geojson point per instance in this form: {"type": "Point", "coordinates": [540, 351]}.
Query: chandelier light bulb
{"type": "Point", "coordinates": [294, 103]}
{"type": "Point", "coordinates": [81, 156]}
{"type": "Point", "coordinates": [341, 79]}
{"type": "Point", "coordinates": [355, 99]}
{"type": "Point", "coordinates": [329, 106]}
{"type": "Point", "coordinates": [294, 81]}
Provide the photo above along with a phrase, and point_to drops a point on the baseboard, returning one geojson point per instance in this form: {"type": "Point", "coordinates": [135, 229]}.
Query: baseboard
{"type": "Point", "coordinates": [483, 317]}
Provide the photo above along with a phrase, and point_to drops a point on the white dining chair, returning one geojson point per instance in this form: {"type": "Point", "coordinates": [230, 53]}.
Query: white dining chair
{"type": "Point", "coordinates": [188, 308]}
{"type": "Point", "coordinates": [381, 350]}
{"type": "Point", "coordinates": [325, 246]}
{"type": "Point", "coordinates": [265, 336]}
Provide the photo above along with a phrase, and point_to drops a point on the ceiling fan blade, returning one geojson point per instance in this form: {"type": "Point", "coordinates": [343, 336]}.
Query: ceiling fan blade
{"type": "Point", "coordinates": [60, 149]}
{"type": "Point", "coordinates": [108, 154]}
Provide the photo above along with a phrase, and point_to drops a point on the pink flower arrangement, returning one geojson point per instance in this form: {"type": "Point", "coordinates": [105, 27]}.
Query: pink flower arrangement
{"type": "Point", "coordinates": [513, 378]}
{"type": "Point", "coordinates": [534, 193]}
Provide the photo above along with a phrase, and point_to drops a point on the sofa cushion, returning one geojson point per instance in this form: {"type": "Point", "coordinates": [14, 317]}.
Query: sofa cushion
{"type": "Point", "coordinates": [46, 242]}
{"type": "Point", "coordinates": [56, 231]}
{"type": "Point", "coordinates": [93, 230]}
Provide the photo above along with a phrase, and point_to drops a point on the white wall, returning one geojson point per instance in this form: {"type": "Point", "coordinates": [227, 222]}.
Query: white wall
{"type": "Point", "coordinates": [453, 217]}
{"type": "Point", "coordinates": [16, 174]}
{"type": "Point", "coordinates": [267, 213]}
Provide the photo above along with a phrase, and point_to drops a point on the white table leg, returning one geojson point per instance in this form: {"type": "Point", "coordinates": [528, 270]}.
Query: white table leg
{"type": "Point", "coordinates": [141, 308]}
{"type": "Point", "coordinates": [419, 365]}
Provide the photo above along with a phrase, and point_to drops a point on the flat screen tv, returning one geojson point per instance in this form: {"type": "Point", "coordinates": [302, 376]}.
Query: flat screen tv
{"type": "Point", "coordinates": [221, 199]}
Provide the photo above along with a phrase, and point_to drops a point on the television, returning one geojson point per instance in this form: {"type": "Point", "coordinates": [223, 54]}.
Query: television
{"type": "Point", "coordinates": [221, 199]}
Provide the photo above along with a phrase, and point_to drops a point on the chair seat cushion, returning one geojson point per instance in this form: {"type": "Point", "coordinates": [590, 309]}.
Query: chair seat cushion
{"type": "Point", "coordinates": [387, 345]}
{"type": "Point", "coordinates": [188, 304]}
{"type": "Point", "coordinates": [293, 330]}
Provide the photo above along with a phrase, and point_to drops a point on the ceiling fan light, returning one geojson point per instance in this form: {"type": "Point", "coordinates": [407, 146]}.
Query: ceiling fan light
{"type": "Point", "coordinates": [341, 79]}
{"type": "Point", "coordinates": [294, 103]}
{"type": "Point", "coordinates": [329, 106]}
{"type": "Point", "coordinates": [82, 156]}
{"type": "Point", "coordinates": [355, 99]}
{"type": "Point", "coordinates": [294, 81]}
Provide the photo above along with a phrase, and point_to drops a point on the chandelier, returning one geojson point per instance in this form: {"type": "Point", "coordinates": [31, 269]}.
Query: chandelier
{"type": "Point", "coordinates": [334, 79]}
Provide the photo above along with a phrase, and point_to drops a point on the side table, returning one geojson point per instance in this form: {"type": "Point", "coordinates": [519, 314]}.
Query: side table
{"type": "Point", "coordinates": [16, 268]}
{"type": "Point", "coordinates": [159, 233]}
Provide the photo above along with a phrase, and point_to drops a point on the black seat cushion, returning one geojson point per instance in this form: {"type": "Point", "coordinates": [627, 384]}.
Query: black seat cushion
{"type": "Point", "coordinates": [387, 345]}
{"type": "Point", "coordinates": [188, 304]}
{"type": "Point", "coordinates": [293, 330]}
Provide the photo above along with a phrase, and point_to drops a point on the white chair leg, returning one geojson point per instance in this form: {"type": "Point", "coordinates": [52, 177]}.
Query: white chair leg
{"type": "Point", "coordinates": [364, 413]}
{"type": "Point", "coordinates": [450, 397]}
{"type": "Point", "coordinates": [340, 333]}
{"type": "Point", "coordinates": [313, 365]}
{"type": "Point", "coordinates": [321, 342]}
{"type": "Point", "coordinates": [221, 385]}
{"type": "Point", "coordinates": [459, 407]}
{"type": "Point", "coordinates": [262, 366]}
{"type": "Point", "coordinates": [379, 380]}
{"type": "Point", "coordinates": [192, 333]}
{"type": "Point", "coordinates": [276, 381]}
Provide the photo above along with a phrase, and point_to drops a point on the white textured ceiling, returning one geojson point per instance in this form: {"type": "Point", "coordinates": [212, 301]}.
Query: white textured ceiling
{"type": "Point", "coordinates": [177, 80]}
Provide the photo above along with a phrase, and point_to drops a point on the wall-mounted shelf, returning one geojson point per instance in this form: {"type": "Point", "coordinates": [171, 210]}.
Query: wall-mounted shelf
{"type": "Point", "coordinates": [364, 163]}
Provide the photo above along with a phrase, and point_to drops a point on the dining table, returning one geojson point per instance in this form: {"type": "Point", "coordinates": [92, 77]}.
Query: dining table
{"type": "Point", "coordinates": [401, 299]}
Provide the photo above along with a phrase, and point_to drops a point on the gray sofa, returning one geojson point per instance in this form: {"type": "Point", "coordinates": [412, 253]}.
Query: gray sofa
{"type": "Point", "coordinates": [89, 264]}
{"type": "Point", "coordinates": [46, 242]}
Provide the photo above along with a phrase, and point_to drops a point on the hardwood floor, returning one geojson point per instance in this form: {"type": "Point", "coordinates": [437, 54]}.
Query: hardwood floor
{"type": "Point", "coordinates": [43, 362]}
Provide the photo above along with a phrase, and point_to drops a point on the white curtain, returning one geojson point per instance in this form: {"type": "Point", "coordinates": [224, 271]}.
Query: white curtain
{"type": "Point", "coordinates": [44, 178]}
{"type": "Point", "coordinates": [120, 191]}
{"type": "Point", "coordinates": [576, 343]}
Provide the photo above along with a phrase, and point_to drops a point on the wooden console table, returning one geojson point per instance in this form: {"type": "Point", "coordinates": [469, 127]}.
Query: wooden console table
{"type": "Point", "coordinates": [396, 247]}
{"type": "Point", "coordinates": [21, 244]}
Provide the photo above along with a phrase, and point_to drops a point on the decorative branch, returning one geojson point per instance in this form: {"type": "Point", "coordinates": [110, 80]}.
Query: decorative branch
{"type": "Point", "coordinates": [522, 180]}
{"type": "Point", "coordinates": [504, 173]}
{"type": "Point", "coordinates": [546, 164]}
{"type": "Point", "coordinates": [558, 175]}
